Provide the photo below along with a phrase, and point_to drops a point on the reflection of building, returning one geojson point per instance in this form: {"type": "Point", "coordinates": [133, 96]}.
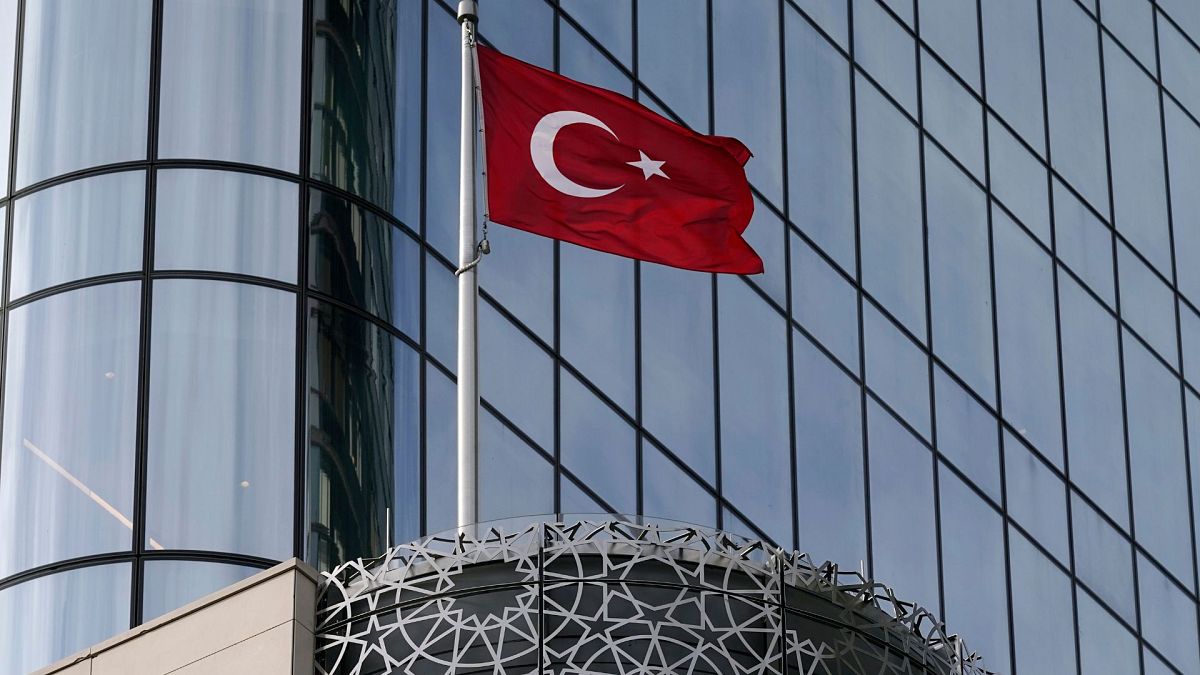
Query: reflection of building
{"type": "Point", "coordinates": [228, 330]}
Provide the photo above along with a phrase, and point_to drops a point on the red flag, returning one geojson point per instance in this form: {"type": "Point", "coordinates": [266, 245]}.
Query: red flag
{"type": "Point", "coordinates": [582, 164]}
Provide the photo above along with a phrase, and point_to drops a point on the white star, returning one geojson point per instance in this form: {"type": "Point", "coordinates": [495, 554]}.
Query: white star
{"type": "Point", "coordinates": [649, 167]}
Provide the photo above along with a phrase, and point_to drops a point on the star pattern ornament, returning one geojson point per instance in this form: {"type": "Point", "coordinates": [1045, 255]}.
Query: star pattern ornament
{"type": "Point", "coordinates": [618, 597]}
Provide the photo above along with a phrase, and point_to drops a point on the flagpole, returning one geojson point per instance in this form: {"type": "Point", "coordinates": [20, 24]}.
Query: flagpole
{"type": "Point", "coordinates": [468, 284]}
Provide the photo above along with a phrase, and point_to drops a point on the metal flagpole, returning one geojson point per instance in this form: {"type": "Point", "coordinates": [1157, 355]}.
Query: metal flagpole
{"type": "Point", "coordinates": [468, 284]}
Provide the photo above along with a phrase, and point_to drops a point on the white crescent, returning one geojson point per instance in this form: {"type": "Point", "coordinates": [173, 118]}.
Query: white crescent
{"type": "Point", "coordinates": [541, 149]}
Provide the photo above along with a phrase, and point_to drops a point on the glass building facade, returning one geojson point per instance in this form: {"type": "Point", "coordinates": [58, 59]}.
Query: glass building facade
{"type": "Point", "coordinates": [972, 366]}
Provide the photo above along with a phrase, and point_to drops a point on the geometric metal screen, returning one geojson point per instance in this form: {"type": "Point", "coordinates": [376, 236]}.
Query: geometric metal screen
{"type": "Point", "coordinates": [616, 596]}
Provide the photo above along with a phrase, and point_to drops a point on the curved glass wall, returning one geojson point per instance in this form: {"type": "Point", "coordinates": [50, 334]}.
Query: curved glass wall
{"type": "Point", "coordinates": [229, 306]}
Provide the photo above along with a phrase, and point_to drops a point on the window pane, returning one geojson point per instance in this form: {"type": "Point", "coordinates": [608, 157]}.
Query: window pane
{"type": "Point", "coordinates": [85, 73]}
{"type": "Point", "coordinates": [1019, 180]}
{"type": "Point", "coordinates": [48, 618]}
{"type": "Point", "coordinates": [8, 41]}
{"type": "Point", "coordinates": [890, 209]}
{"type": "Point", "coordinates": [409, 122]}
{"type": "Point", "coordinates": [886, 50]}
{"type": "Point", "coordinates": [516, 376]}
{"type": "Point", "coordinates": [85, 228]}
{"type": "Point", "coordinates": [598, 446]}
{"type": "Point", "coordinates": [66, 488]}
{"type": "Point", "coordinates": [1105, 646]}
{"type": "Point", "coordinates": [825, 303]}
{"type": "Point", "coordinates": [676, 69]}
{"type": "Point", "coordinates": [221, 418]}
{"type": "Point", "coordinates": [442, 62]}
{"type": "Point", "coordinates": [1132, 21]}
{"type": "Point", "coordinates": [231, 81]}
{"type": "Point", "coordinates": [1171, 624]}
{"type": "Point", "coordinates": [596, 319]}
{"type": "Point", "coordinates": [1180, 65]}
{"type": "Point", "coordinates": [952, 114]}
{"type": "Point", "coordinates": [1103, 559]}
{"type": "Point", "coordinates": [504, 461]}
{"type": "Point", "coordinates": [609, 22]}
{"type": "Point", "coordinates": [522, 277]}
{"type": "Point", "coordinates": [1037, 497]}
{"type": "Point", "coordinates": [897, 369]}
{"type": "Point", "coordinates": [359, 258]}
{"type": "Point", "coordinates": [226, 222]}
{"type": "Point", "coordinates": [1012, 65]}
{"type": "Point", "coordinates": [441, 407]}
{"type": "Point", "coordinates": [669, 493]}
{"type": "Point", "coordinates": [170, 584]}
{"type": "Point", "coordinates": [967, 434]}
{"type": "Point", "coordinates": [1183, 138]}
{"type": "Point", "coordinates": [1147, 304]}
{"type": "Point", "coordinates": [1043, 628]}
{"type": "Point", "coordinates": [363, 437]}
{"type": "Point", "coordinates": [1085, 243]}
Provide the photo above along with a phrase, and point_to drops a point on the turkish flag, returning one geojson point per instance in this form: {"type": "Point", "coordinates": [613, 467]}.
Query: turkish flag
{"type": "Point", "coordinates": [582, 164]}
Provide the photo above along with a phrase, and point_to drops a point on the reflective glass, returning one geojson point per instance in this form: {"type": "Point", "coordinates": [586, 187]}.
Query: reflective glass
{"type": "Point", "coordinates": [829, 458]}
{"type": "Point", "coordinates": [754, 408]}
{"type": "Point", "coordinates": [1136, 144]}
{"type": "Point", "coordinates": [1156, 448]}
{"type": "Point", "coordinates": [973, 574]}
{"type": "Point", "coordinates": [598, 446]}
{"type": "Point", "coordinates": [1085, 243]}
{"type": "Point", "coordinates": [903, 521]}
{"type": "Point", "coordinates": [1103, 559]}
{"type": "Point", "coordinates": [221, 418]}
{"type": "Point", "coordinates": [574, 499]}
{"type": "Point", "coordinates": [952, 114]}
{"type": "Point", "coordinates": [85, 228]}
{"type": "Point", "coordinates": [825, 303]}
{"type": "Point", "coordinates": [1132, 21]}
{"type": "Point", "coordinates": [967, 433]}
{"type": "Point", "coordinates": [1105, 646]}
{"type": "Point", "coordinates": [610, 22]}
{"type": "Point", "coordinates": [890, 209]}
{"type": "Point", "coordinates": [441, 312]}
{"type": "Point", "coordinates": [1171, 625]}
{"type": "Point", "coordinates": [441, 406]}
{"type": "Point", "coordinates": [1147, 304]}
{"type": "Point", "coordinates": [596, 319]}
{"type": "Point", "coordinates": [442, 64]}
{"type": "Point", "coordinates": [896, 369]}
{"type": "Point", "coordinates": [1092, 393]}
{"type": "Point", "coordinates": [1193, 421]}
{"type": "Point", "coordinates": [830, 16]}
{"type": "Point", "coordinates": [409, 122]}
{"type": "Point", "coordinates": [1037, 497]}
{"type": "Point", "coordinates": [85, 71]}
{"type": "Point", "coordinates": [8, 53]}
{"type": "Point", "coordinates": [886, 51]}
{"type": "Point", "coordinates": [522, 277]}
{"type": "Point", "coordinates": [951, 28]}
{"type": "Point", "coordinates": [820, 156]}
{"type": "Point", "coordinates": [1183, 12]}
{"type": "Point", "coordinates": [1180, 63]}
{"type": "Point", "coordinates": [1027, 342]}
{"type": "Point", "coordinates": [506, 461]}
{"type": "Point", "coordinates": [676, 70]}
{"type": "Point", "coordinates": [1189, 326]}
{"type": "Point", "coordinates": [516, 375]}
{"type": "Point", "coordinates": [231, 81]}
{"type": "Point", "coordinates": [667, 492]}
{"type": "Point", "coordinates": [354, 77]}
{"type": "Point", "coordinates": [1043, 627]}
{"type": "Point", "coordinates": [170, 584]}
{"type": "Point", "coordinates": [767, 235]}
{"type": "Point", "coordinates": [1074, 100]}
{"type": "Point", "coordinates": [1019, 180]}
{"type": "Point", "coordinates": [525, 30]}
{"type": "Point", "coordinates": [225, 222]}
{"type": "Point", "coordinates": [70, 392]}
{"type": "Point", "coordinates": [745, 65]}
{"type": "Point", "coordinates": [960, 285]}
{"type": "Point", "coordinates": [1012, 65]}
{"type": "Point", "coordinates": [359, 258]}
{"type": "Point", "coordinates": [47, 618]}
{"type": "Point", "coordinates": [363, 437]}
{"type": "Point", "coordinates": [677, 364]}
{"type": "Point", "coordinates": [1183, 139]}
{"type": "Point", "coordinates": [581, 60]}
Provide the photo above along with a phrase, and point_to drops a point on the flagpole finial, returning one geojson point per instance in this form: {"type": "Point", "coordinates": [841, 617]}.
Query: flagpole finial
{"type": "Point", "coordinates": [468, 11]}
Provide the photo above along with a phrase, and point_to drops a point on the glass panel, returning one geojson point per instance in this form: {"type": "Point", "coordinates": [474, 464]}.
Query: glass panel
{"type": "Point", "coordinates": [409, 121]}
{"type": "Point", "coordinates": [1085, 243]}
{"type": "Point", "coordinates": [170, 584]}
{"type": "Point", "coordinates": [890, 209]}
{"type": "Point", "coordinates": [952, 113]}
{"type": "Point", "coordinates": [525, 30]}
{"type": "Point", "coordinates": [226, 222]}
{"type": "Point", "coordinates": [596, 319]}
{"type": "Point", "coordinates": [820, 156]}
{"type": "Point", "coordinates": [505, 461]}
{"type": "Point", "coordinates": [441, 407]}
{"type": "Point", "coordinates": [609, 21]}
{"type": "Point", "coordinates": [903, 521]}
{"type": "Point", "coordinates": [441, 312]}
{"type": "Point", "coordinates": [522, 277]}
{"type": "Point", "coordinates": [668, 492]}
{"type": "Point", "coordinates": [1136, 144]}
{"type": "Point", "coordinates": [353, 91]}
{"type": "Point", "coordinates": [48, 618]}
{"type": "Point", "coordinates": [767, 235]}
{"type": "Point", "coordinates": [442, 64]}
{"type": "Point", "coordinates": [1132, 21]}
{"type": "Point", "coordinates": [967, 434]}
{"type": "Point", "coordinates": [1092, 393]}
{"type": "Point", "coordinates": [1012, 65]}
{"type": "Point", "coordinates": [231, 81]}
{"type": "Point", "coordinates": [598, 446]}
{"type": "Point", "coordinates": [897, 369]}
{"type": "Point", "coordinates": [1105, 646]}
{"type": "Point", "coordinates": [1103, 559]}
{"type": "Point", "coordinates": [1027, 342]}
{"type": "Point", "coordinates": [8, 52]}
{"type": "Point", "coordinates": [1019, 180]}
{"type": "Point", "coordinates": [1156, 447]}
{"type": "Point", "coordinates": [1043, 628]}
{"type": "Point", "coordinates": [66, 488]}
{"type": "Point", "coordinates": [85, 228]}
{"type": "Point", "coordinates": [960, 285]}
{"type": "Point", "coordinates": [677, 364]}
{"type": "Point", "coordinates": [85, 71]}
{"type": "Point", "coordinates": [830, 16]}
{"type": "Point", "coordinates": [360, 258]}
{"type": "Point", "coordinates": [1168, 617]}
{"type": "Point", "coordinates": [951, 27]}
{"type": "Point", "coordinates": [573, 499]}
{"type": "Point", "coordinates": [1180, 65]}
{"type": "Point", "coordinates": [516, 376]}
{"type": "Point", "coordinates": [676, 70]}
{"type": "Point", "coordinates": [1148, 304]}
{"type": "Point", "coordinates": [1193, 422]}
{"type": "Point", "coordinates": [1189, 326]}
{"type": "Point", "coordinates": [1183, 138]}
{"type": "Point", "coordinates": [829, 459]}
{"type": "Point", "coordinates": [221, 418]}
{"type": "Point", "coordinates": [1037, 498]}
{"type": "Point", "coordinates": [1073, 94]}
{"type": "Point", "coordinates": [973, 571]}
{"type": "Point", "coordinates": [825, 303]}
{"type": "Point", "coordinates": [745, 64]}
{"type": "Point", "coordinates": [754, 408]}
{"type": "Point", "coordinates": [363, 437]}
{"type": "Point", "coordinates": [886, 50]}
